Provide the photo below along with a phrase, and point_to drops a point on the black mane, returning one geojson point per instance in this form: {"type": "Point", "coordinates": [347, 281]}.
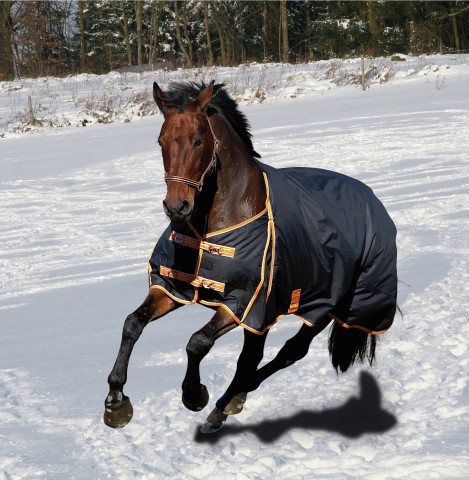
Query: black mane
{"type": "Point", "coordinates": [178, 96]}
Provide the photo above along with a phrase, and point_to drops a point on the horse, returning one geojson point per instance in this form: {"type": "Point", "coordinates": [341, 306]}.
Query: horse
{"type": "Point", "coordinates": [254, 243]}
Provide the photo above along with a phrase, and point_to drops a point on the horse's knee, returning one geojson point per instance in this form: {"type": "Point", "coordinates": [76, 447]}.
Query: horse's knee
{"type": "Point", "coordinates": [132, 327]}
{"type": "Point", "coordinates": [199, 344]}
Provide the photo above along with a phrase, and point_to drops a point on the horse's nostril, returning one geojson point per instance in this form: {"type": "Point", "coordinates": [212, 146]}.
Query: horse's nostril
{"type": "Point", "coordinates": [179, 213]}
{"type": "Point", "coordinates": [183, 208]}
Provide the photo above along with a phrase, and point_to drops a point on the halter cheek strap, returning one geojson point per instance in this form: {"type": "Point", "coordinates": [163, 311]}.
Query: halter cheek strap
{"type": "Point", "coordinates": [194, 183]}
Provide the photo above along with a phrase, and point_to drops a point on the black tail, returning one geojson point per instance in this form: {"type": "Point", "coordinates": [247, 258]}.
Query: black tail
{"type": "Point", "coordinates": [346, 345]}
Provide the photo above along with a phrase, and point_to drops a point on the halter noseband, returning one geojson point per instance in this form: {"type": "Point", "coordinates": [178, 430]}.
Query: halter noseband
{"type": "Point", "coordinates": [194, 183]}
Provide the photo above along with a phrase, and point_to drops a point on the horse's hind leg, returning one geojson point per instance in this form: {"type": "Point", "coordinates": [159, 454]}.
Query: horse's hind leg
{"type": "Point", "coordinates": [233, 399]}
{"type": "Point", "coordinates": [194, 394]}
{"type": "Point", "coordinates": [294, 349]}
{"type": "Point", "coordinates": [248, 378]}
{"type": "Point", "coordinates": [118, 409]}
{"type": "Point", "coordinates": [251, 355]}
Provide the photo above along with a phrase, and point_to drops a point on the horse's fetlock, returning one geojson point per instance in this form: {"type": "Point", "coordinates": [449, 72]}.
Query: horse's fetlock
{"type": "Point", "coordinates": [115, 384]}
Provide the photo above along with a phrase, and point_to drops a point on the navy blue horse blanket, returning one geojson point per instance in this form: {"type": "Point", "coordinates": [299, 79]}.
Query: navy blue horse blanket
{"type": "Point", "coordinates": [324, 246]}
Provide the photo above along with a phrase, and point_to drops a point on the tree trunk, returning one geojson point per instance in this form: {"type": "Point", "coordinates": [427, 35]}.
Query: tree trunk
{"type": "Point", "coordinates": [138, 13]}
{"type": "Point", "coordinates": [81, 4]}
{"type": "Point", "coordinates": [7, 67]}
{"type": "Point", "coordinates": [373, 25]}
{"type": "Point", "coordinates": [207, 34]}
{"type": "Point", "coordinates": [179, 37]}
{"type": "Point", "coordinates": [265, 30]}
{"type": "Point", "coordinates": [154, 30]}
{"type": "Point", "coordinates": [186, 32]}
{"type": "Point", "coordinates": [221, 36]}
{"type": "Point", "coordinates": [285, 47]}
{"type": "Point", "coordinates": [454, 24]}
{"type": "Point", "coordinates": [126, 34]}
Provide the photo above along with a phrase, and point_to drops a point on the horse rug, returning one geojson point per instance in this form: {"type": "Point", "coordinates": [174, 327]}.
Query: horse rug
{"type": "Point", "coordinates": [323, 246]}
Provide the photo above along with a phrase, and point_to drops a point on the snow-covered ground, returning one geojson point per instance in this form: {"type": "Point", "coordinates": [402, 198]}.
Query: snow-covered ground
{"type": "Point", "coordinates": [80, 212]}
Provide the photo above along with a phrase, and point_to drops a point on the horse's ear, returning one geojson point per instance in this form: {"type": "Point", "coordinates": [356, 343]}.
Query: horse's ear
{"type": "Point", "coordinates": [160, 99]}
{"type": "Point", "coordinates": [204, 98]}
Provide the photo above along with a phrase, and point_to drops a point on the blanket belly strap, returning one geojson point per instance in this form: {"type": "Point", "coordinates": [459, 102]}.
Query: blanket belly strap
{"type": "Point", "coordinates": [186, 241]}
{"type": "Point", "coordinates": [192, 279]}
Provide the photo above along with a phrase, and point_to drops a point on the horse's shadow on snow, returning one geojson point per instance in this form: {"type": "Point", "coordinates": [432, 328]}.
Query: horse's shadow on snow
{"type": "Point", "coordinates": [358, 416]}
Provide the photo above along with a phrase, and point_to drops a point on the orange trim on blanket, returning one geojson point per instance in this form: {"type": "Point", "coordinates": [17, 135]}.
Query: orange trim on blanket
{"type": "Point", "coordinates": [236, 319]}
{"type": "Point", "coordinates": [272, 230]}
{"type": "Point", "coordinates": [176, 299]}
{"type": "Point", "coordinates": [371, 332]}
{"type": "Point", "coordinates": [238, 225]}
{"type": "Point", "coordinates": [264, 258]}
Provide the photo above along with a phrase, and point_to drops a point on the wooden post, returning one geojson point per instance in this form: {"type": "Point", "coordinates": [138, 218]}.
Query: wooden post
{"type": "Point", "coordinates": [31, 113]}
{"type": "Point", "coordinates": [363, 73]}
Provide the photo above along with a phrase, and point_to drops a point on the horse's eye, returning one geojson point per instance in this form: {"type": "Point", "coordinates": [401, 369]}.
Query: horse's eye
{"type": "Point", "coordinates": [198, 142]}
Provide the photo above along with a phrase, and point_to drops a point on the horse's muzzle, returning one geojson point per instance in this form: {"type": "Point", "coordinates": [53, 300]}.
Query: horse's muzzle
{"type": "Point", "coordinates": [181, 213]}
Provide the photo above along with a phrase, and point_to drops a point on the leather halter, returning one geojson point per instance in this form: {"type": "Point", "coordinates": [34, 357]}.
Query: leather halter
{"type": "Point", "coordinates": [194, 183]}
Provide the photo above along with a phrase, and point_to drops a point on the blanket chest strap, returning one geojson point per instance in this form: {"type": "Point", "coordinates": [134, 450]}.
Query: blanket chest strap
{"type": "Point", "coordinates": [193, 280]}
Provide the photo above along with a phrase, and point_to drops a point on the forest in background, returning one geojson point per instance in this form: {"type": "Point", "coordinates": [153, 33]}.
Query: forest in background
{"type": "Point", "coordinates": [62, 37]}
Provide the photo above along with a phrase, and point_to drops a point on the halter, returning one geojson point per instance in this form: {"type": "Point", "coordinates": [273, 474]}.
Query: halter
{"type": "Point", "coordinates": [194, 183]}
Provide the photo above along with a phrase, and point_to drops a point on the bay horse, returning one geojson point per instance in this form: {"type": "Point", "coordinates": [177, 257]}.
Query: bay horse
{"type": "Point", "coordinates": [255, 243]}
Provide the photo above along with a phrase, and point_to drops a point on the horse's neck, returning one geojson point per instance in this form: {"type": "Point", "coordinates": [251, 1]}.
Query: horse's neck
{"type": "Point", "coordinates": [240, 191]}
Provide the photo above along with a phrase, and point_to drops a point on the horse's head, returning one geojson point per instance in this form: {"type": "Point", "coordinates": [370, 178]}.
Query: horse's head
{"type": "Point", "coordinates": [187, 146]}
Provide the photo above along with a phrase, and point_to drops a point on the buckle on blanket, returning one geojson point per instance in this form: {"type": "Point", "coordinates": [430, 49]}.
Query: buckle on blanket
{"type": "Point", "coordinates": [212, 248]}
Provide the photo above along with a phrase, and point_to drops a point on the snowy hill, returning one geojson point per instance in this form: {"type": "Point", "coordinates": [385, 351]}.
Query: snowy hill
{"type": "Point", "coordinates": [81, 210]}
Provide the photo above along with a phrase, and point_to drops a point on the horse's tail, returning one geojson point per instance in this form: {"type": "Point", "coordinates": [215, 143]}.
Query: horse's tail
{"type": "Point", "coordinates": [346, 345]}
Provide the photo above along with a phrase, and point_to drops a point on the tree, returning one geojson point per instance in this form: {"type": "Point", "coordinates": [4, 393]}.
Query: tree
{"type": "Point", "coordinates": [81, 19]}
{"type": "Point", "coordinates": [207, 34]}
{"type": "Point", "coordinates": [177, 24]}
{"type": "Point", "coordinates": [7, 68]}
{"type": "Point", "coordinates": [138, 10]}
{"type": "Point", "coordinates": [39, 38]}
{"type": "Point", "coordinates": [285, 47]}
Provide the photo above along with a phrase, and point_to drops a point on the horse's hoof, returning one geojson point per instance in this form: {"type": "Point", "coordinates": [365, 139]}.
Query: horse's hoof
{"type": "Point", "coordinates": [214, 421]}
{"type": "Point", "coordinates": [235, 405]}
{"type": "Point", "coordinates": [118, 417]}
{"type": "Point", "coordinates": [200, 403]}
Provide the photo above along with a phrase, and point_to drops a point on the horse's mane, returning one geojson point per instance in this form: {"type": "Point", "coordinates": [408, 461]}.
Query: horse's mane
{"type": "Point", "coordinates": [178, 95]}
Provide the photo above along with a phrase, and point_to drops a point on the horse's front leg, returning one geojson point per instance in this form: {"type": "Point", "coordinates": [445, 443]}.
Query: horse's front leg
{"type": "Point", "coordinates": [194, 394]}
{"type": "Point", "coordinates": [118, 409]}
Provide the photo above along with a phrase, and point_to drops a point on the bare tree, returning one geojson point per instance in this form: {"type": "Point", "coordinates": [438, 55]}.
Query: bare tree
{"type": "Point", "coordinates": [138, 14]}
{"type": "Point", "coordinates": [125, 30]}
{"type": "Point", "coordinates": [284, 20]}
{"type": "Point", "coordinates": [373, 25]}
{"type": "Point", "coordinates": [207, 34]}
{"type": "Point", "coordinates": [81, 14]}
{"type": "Point", "coordinates": [7, 67]}
{"type": "Point", "coordinates": [177, 24]}
{"type": "Point", "coordinates": [156, 10]}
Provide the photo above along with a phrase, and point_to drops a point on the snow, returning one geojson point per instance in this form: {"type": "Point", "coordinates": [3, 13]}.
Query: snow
{"type": "Point", "coordinates": [80, 212]}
